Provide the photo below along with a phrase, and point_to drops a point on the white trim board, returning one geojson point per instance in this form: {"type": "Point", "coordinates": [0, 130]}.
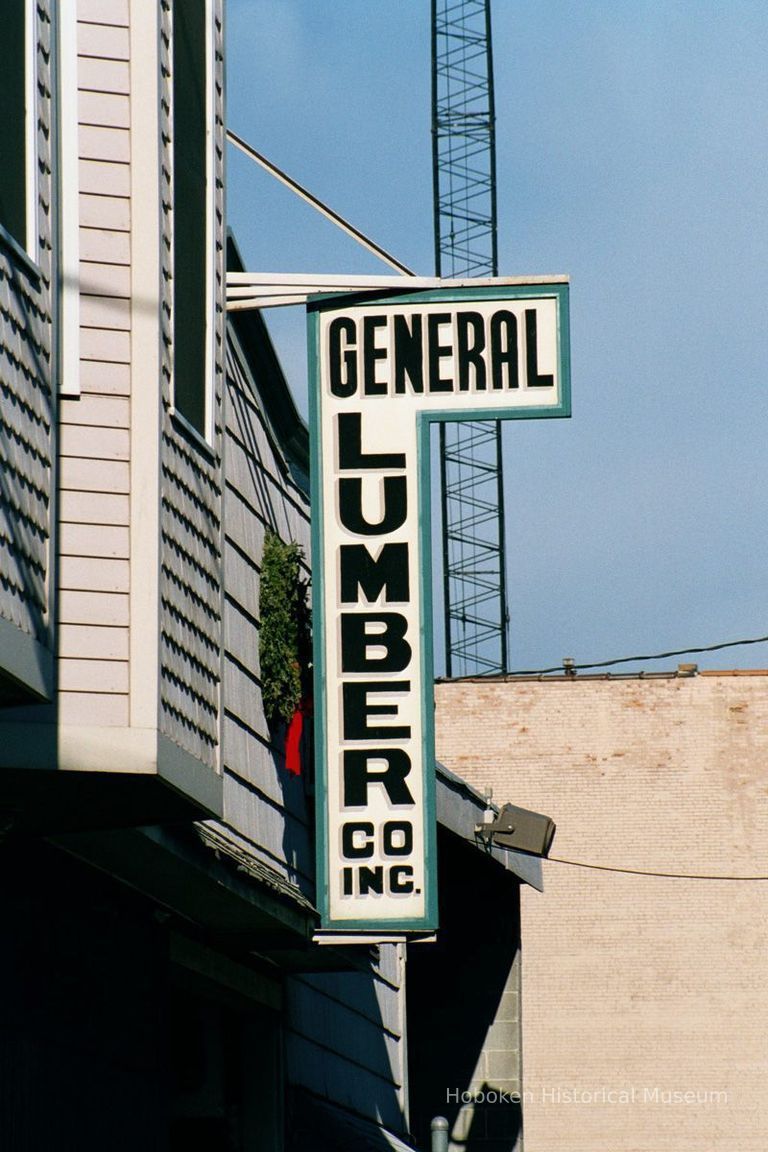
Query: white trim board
{"type": "Point", "coordinates": [247, 290]}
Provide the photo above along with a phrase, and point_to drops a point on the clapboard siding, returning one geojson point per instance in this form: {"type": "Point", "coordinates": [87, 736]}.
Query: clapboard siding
{"type": "Point", "coordinates": [104, 75]}
{"type": "Point", "coordinates": [328, 1073]}
{"type": "Point", "coordinates": [103, 41]}
{"type": "Point", "coordinates": [273, 506]}
{"type": "Point", "coordinates": [111, 12]}
{"type": "Point", "coordinates": [100, 411]}
{"type": "Point", "coordinates": [94, 472]}
{"type": "Point", "coordinates": [104, 108]}
{"type": "Point", "coordinates": [106, 608]}
{"type": "Point", "coordinates": [333, 1024]}
{"type": "Point", "coordinates": [98, 210]}
{"type": "Point", "coordinates": [242, 683]}
{"type": "Point", "coordinates": [345, 1038]}
{"type": "Point", "coordinates": [94, 475]}
{"type": "Point", "coordinates": [374, 998]}
{"type": "Point", "coordinates": [105, 278]}
{"type": "Point", "coordinates": [98, 676]}
{"type": "Point", "coordinates": [243, 593]}
{"type": "Point", "coordinates": [106, 312]}
{"type": "Point", "coordinates": [102, 379]}
{"type": "Point", "coordinates": [93, 709]}
{"type": "Point", "coordinates": [104, 245]}
{"type": "Point", "coordinates": [109, 541]}
{"type": "Point", "coordinates": [249, 439]}
{"type": "Point", "coordinates": [101, 508]}
{"type": "Point", "coordinates": [248, 749]}
{"type": "Point", "coordinates": [104, 178]}
{"type": "Point", "coordinates": [109, 444]}
{"type": "Point", "coordinates": [105, 143]}
{"type": "Point", "coordinates": [259, 494]}
{"type": "Point", "coordinates": [86, 573]}
{"type": "Point", "coordinates": [245, 528]}
{"type": "Point", "coordinates": [26, 417]}
{"type": "Point", "coordinates": [190, 487]}
{"type": "Point", "coordinates": [105, 347]}
{"type": "Point", "coordinates": [93, 642]}
{"type": "Point", "coordinates": [278, 834]}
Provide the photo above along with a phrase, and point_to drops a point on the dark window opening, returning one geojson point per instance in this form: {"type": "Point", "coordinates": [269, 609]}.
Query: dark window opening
{"type": "Point", "coordinates": [13, 142]}
{"type": "Point", "coordinates": [190, 216]}
{"type": "Point", "coordinates": [226, 1075]}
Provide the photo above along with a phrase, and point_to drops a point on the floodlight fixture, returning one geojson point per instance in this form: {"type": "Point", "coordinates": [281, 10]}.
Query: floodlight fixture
{"type": "Point", "coordinates": [519, 830]}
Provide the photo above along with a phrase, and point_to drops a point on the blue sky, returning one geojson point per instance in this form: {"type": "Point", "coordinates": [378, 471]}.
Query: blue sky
{"type": "Point", "coordinates": [632, 154]}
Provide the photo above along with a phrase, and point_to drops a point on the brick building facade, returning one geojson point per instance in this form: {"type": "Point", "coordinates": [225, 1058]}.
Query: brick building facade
{"type": "Point", "coordinates": [644, 1000]}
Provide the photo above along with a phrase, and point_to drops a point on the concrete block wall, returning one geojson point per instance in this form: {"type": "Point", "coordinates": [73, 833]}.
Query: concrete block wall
{"type": "Point", "coordinates": [644, 998]}
{"type": "Point", "coordinates": [489, 1117]}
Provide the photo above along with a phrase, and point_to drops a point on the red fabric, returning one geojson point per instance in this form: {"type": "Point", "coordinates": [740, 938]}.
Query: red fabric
{"type": "Point", "coordinates": [293, 742]}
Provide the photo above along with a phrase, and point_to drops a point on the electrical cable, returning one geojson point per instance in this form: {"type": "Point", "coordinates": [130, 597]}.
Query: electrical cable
{"type": "Point", "coordinates": [637, 659]}
{"type": "Point", "coordinates": [645, 872]}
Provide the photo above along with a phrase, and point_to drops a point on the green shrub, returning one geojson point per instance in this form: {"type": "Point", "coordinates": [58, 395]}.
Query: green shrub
{"type": "Point", "coordinates": [284, 637]}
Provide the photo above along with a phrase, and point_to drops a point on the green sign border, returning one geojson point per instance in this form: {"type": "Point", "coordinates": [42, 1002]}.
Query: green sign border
{"type": "Point", "coordinates": [315, 306]}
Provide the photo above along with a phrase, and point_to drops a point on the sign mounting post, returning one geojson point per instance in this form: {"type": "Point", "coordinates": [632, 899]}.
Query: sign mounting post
{"type": "Point", "coordinates": [383, 367]}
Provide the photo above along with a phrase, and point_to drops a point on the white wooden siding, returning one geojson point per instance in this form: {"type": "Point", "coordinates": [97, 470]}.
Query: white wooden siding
{"type": "Point", "coordinates": [109, 541]}
{"type": "Point", "coordinates": [106, 312]}
{"type": "Point", "coordinates": [102, 508]}
{"type": "Point", "coordinates": [93, 475]}
{"type": "Point", "coordinates": [105, 379]}
{"type": "Point", "coordinates": [102, 41]}
{"type": "Point", "coordinates": [105, 347]}
{"type": "Point", "coordinates": [107, 108]}
{"type": "Point", "coordinates": [78, 440]}
{"type": "Point", "coordinates": [105, 279]}
{"type": "Point", "coordinates": [99, 210]}
{"type": "Point", "coordinates": [94, 569]}
{"type": "Point", "coordinates": [93, 642]}
{"type": "Point", "coordinates": [111, 12]}
{"type": "Point", "coordinates": [104, 75]}
{"type": "Point", "coordinates": [106, 608]}
{"type": "Point", "coordinates": [104, 143]}
{"type": "Point", "coordinates": [101, 244]}
{"type": "Point", "coordinates": [90, 709]}
{"type": "Point", "coordinates": [104, 177]}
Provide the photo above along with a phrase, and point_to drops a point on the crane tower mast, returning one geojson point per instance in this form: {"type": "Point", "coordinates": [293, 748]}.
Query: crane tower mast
{"type": "Point", "coordinates": [464, 189]}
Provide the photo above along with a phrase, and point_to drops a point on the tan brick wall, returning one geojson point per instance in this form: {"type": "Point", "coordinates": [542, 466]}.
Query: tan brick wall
{"type": "Point", "coordinates": [635, 987]}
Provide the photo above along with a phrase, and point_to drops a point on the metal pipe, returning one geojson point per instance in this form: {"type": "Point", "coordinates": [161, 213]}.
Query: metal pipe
{"type": "Point", "coordinates": [310, 198]}
{"type": "Point", "coordinates": [439, 1129]}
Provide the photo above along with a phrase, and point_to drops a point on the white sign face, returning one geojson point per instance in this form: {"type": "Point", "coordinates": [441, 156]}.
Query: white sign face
{"type": "Point", "coordinates": [384, 369]}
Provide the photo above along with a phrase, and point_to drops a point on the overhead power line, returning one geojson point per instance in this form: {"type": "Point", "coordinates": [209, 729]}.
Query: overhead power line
{"type": "Point", "coordinates": [646, 872]}
{"type": "Point", "coordinates": [638, 659]}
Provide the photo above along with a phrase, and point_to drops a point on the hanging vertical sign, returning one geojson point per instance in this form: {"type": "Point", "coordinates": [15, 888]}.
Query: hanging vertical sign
{"type": "Point", "coordinates": [383, 368]}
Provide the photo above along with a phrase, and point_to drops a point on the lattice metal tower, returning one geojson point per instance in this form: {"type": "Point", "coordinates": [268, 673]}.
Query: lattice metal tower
{"type": "Point", "coordinates": [464, 184]}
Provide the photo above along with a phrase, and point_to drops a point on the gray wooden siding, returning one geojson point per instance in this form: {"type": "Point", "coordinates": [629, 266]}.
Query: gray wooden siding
{"type": "Point", "coordinates": [345, 1038]}
{"type": "Point", "coordinates": [190, 492]}
{"type": "Point", "coordinates": [95, 426]}
{"type": "Point", "coordinates": [26, 419]}
{"type": "Point", "coordinates": [261, 799]}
